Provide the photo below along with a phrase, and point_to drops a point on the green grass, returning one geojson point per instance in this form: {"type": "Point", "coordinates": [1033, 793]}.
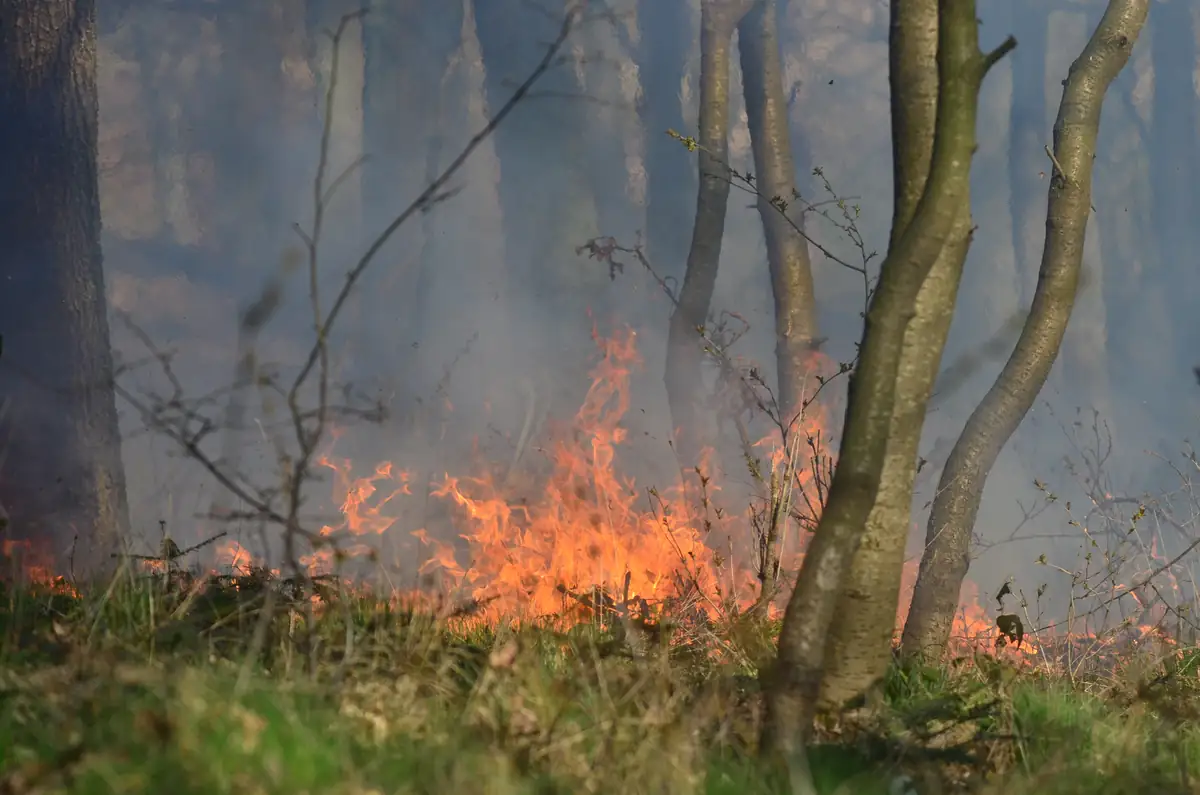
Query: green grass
{"type": "Point", "coordinates": [208, 688]}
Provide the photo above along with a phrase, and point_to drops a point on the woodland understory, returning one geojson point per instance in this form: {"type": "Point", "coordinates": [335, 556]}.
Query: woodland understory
{"type": "Point", "coordinates": [504, 397]}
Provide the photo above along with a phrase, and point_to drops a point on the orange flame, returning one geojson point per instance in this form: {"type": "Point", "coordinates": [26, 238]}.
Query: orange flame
{"type": "Point", "coordinates": [588, 533]}
{"type": "Point", "coordinates": [32, 565]}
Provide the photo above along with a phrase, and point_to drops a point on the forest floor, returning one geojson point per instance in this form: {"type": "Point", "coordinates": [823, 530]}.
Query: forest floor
{"type": "Point", "coordinates": [214, 685]}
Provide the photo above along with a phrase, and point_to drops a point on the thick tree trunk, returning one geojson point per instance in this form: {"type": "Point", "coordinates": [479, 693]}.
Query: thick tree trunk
{"type": "Point", "coordinates": [946, 558]}
{"type": "Point", "coordinates": [61, 481]}
{"type": "Point", "coordinates": [860, 643]}
{"type": "Point", "coordinates": [795, 681]}
{"type": "Point", "coordinates": [685, 357]}
{"type": "Point", "coordinates": [787, 250]}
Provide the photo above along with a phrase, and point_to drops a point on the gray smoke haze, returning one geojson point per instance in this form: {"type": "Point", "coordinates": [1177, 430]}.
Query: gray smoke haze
{"type": "Point", "coordinates": [210, 131]}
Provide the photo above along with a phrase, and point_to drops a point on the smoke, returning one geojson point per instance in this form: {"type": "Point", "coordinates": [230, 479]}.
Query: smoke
{"type": "Point", "coordinates": [210, 138]}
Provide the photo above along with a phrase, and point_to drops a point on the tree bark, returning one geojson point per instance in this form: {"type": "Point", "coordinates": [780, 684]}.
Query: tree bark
{"type": "Point", "coordinates": [62, 483]}
{"type": "Point", "coordinates": [794, 683]}
{"type": "Point", "coordinates": [860, 643]}
{"type": "Point", "coordinates": [685, 345]}
{"type": "Point", "coordinates": [946, 558]}
{"type": "Point", "coordinates": [775, 172]}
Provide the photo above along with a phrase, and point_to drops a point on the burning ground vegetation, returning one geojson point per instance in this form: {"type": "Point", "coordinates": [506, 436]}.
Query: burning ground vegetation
{"type": "Point", "coordinates": [601, 637]}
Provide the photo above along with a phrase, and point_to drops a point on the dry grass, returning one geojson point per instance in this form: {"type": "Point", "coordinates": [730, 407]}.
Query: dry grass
{"type": "Point", "coordinates": [218, 686]}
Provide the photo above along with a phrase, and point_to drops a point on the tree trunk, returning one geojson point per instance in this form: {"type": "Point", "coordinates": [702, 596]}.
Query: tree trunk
{"type": "Point", "coordinates": [685, 345]}
{"type": "Point", "coordinates": [795, 681]}
{"type": "Point", "coordinates": [61, 480]}
{"type": "Point", "coordinates": [946, 558]}
{"type": "Point", "coordinates": [787, 250]}
{"type": "Point", "coordinates": [666, 38]}
{"type": "Point", "coordinates": [859, 646]}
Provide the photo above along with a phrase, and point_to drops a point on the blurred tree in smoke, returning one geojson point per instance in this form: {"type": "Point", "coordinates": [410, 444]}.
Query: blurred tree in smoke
{"type": "Point", "coordinates": [431, 73]}
{"type": "Point", "coordinates": [410, 100]}
{"type": "Point", "coordinates": [1027, 136]}
{"type": "Point", "coordinates": [666, 37]}
{"type": "Point", "coordinates": [548, 196]}
{"type": "Point", "coordinates": [1175, 175]}
{"type": "Point", "coordinates": [62, 484]}
{"type": "Point", "coordinates": [756, 22]}
{"type": "Point", "coordinates": [207, 97]}
{"type": "Point", "coordinates": [796, 335]}
{"type": "Point", "coordinates": [1140, 288]}
{"type": "Point", "coordinates": [202, 106]}
{"type": "Point", "coordinates": [684, 373]}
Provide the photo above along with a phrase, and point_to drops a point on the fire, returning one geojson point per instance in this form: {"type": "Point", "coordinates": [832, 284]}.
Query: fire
{"type": "Point", "coordinates": [32, 565]}
{"type": "Point", "coordinates": [799, 460]}
{"type": "Point", "coordinates": [592, 536]}
{"type": "Point", "coordinates": [363, 515]}
{"type": "Point", "coordinates": [589, 531]}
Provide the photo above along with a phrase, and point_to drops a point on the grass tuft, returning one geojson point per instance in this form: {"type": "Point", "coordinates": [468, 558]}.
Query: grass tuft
{"type": "Point", "coordinates": [242, 684]}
